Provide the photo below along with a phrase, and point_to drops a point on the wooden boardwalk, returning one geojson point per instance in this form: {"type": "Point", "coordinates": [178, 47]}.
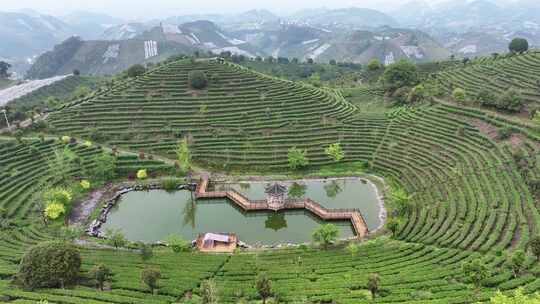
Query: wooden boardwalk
{"type": "Point", "coordinates": [353, 215]}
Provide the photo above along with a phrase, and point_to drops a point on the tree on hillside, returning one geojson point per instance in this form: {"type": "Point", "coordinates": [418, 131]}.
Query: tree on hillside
{"type": "Point", "coordinates": [401, 201]}
{"type": "Point", "coordinates": [510, 100]}
{"type": "Point", "coordinates": [100, 274]}
{"type": "Point", "coordinates": [534, 246]}
{"type": "Point", "coordinates": [49, 265]}
{"type": "Point", "coordinates": [105, 168]}
{"type": "Point", "coordinates": [4, 68]}
{"type": "Point", "coordinates": [519, 297]}
{"type": "Point", "coordinates": [297, 158]}
{"type": "Point", "coordinates": [80, 92]}
{"type": "Point", "coordinates": [418, 94]}
{"type": "Point", "coordinates": [518, 45]}
{"type": "Point", "coordinates": [476, 271]}
{"type": "Point", "coordinates": [145, 251]}
{"type": "Point", "coordinates": [459, 95]}
{"type": "Point", "coordinates": [325, 235]}
{"type": "Point", "coordinates": [177, 243]}
{"type": "Point", "coordinates": [197, 80]}
{"type": "Point", "coordinates": [335, 152]}
{"type": "Point", "coordinates": [373, 284]}
{"type": "Point", "coordinates": [184, 155]}
{"type": "Point", "coordinates": [263, 286]}
{"type": "Point", "coordinates": [517, 262]}
{"type": "Point", "coordinates": [208, 290]}
{"type": "Point", "coordinates": [374, 65]}
{"type": "Point", "coordinates": [400, 74]}
{"type": "Point", "coordinates": [353, 249]}
{"type": "Point", "coordinates": [150, 277]}
{"type": "Point", "coordinates": [136, 70]}
{"type": "Point", "coordinates": [392, 224]}
{"type": "Point", "coordinates": [115, 237]}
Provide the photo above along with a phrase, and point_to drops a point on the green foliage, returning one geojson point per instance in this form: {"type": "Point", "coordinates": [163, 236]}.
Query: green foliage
{"type": "Point", "coordinates": [105, 167]}
{"type": "Point", "coordinates": [374, 64]}
{"type": "Point", "coordinates": [400, 74]}
{"type": "Point", "coordinates": [353, 249]}
{"type": "Point", "coordinates": [518, 298]}
{"type": "Point", "coordinates": [459, 95]}
{"type": "Point", "coordinates": [81, 91]}
{"type": "Point", "coordinates": [197, 80]}
{"type": "Point", "coordinates": [177, 243]}
{"type": "Point", "coordinates": [136, 70]}
{"type": "Point", "coordinates": [418, 94]}
{"type": "Point", "coordinates": [393, 225]}
{"type": "Point", "coordinates": [100, 274]}
{"type": "Point", "coordinates": [115, 238]}
{"type": "Point", "coordinates": [335, 152]}
{"type": "Point", "coordinates": [534, 246]}
{"type": "Point", "coordinates": [401, 201]}
{"type": "Point", "coordinates": [297, 190]}
{"type": "Point", "coordinates": [325, 235]}
{"type": "Point", "coordinates": [56, 200]}
{"type": "Point", "coordinates": [183, 155]}
{"type": "Point", "coordinates": [517, 262]}
{"type": "Point", "coordinates": [486, 97]}
{"type": "Point", "coordinates": [209, 293]}
{"type": "Point", "coordinates": [150, 277]}
{"type": "Point", "coordinates": [536, 117]}
{"type": "Point", "coordinates": [170, 184]}
{"type": "Point", "coordinates": [49, 265]}
{"type": "Point", "coordinates": [297, 158]}
{"type": "Point", "coordinates": [146, 251]}
{"type": "Point", "coordinates": [510, 100]}
{"type": "Point", "coordinates": [518, 45]}
{"type": "Point", "coordinates": [475, 271]}
{"type": "Point", "coordinates": [263, 286]}
{"type": "Point", "coordinates": [374, 284]}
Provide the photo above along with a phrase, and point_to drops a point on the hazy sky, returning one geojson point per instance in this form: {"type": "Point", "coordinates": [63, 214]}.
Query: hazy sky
{"type": "Point", "coordinates": [146, 9]}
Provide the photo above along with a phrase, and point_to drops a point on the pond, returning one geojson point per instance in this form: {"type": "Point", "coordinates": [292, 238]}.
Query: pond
{"type": "Point", "coordinates": [150, 216]}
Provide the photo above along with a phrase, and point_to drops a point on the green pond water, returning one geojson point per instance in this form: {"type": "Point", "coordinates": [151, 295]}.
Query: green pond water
{"type": "Point", "coordinates": [151, 216]}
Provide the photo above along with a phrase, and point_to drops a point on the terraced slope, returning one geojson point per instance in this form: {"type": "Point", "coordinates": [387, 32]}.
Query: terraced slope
{"type": "Point", "coordinates": [521, 72]}
{"type": "Point", "coordinates": [241, 111]}
{"type": "Point", "coordinates": [474, 195]}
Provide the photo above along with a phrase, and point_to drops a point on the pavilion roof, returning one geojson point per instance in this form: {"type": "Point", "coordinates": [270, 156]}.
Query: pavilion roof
{"type": "Point", "coordinates": [275, 189]}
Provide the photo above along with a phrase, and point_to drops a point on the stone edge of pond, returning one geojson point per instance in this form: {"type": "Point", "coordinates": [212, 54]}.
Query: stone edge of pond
{"type": "Point", "coordinates": [377, 182]}
{"type": "Point", "coordinates": [94, 229]}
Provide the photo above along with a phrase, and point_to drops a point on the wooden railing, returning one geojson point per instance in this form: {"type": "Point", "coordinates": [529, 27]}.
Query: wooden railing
{"type": "Point", "coordinates": [353, 215]}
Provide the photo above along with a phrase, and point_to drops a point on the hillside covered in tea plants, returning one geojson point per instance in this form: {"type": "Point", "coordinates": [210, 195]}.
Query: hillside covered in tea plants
{"type": "Point", "coordinates": [463, 199]}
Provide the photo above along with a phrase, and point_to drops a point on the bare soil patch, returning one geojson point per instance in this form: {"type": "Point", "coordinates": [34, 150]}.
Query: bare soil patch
{"type": "Point", "coordinates": [485, 128]}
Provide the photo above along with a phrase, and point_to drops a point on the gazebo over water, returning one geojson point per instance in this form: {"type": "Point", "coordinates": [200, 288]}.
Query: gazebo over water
{"type": "Point", "coordinates": [275, 196]}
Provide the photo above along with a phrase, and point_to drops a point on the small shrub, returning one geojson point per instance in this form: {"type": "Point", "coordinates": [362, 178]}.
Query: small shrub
{"type": "Point", "coordinates": [170, 184]}
{"type": "Point", "coordinates": [178, 244]}
{"type": "Point", "coordinates": [459, 95]}
{"type": "Point", "coordinates": [142, 174]}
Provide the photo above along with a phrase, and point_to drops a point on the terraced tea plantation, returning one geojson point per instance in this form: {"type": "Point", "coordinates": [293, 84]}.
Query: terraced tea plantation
{"type": "Point", "coordinates": [520, 72]}
{"type": "Point", "coordinates": [474, 194]}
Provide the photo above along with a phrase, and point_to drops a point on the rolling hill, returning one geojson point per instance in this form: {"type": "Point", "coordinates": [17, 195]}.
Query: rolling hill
{"type": "Point", "coordinates": [474, 195]}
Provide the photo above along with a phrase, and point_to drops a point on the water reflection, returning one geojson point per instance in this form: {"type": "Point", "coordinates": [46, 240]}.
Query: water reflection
{"type": "Point", "coordinates": [333, 189]}
{"type": "Point", "coordinates": [276, 221]}
{"type": "Point", "coordinates": [189, 212]}
{"type": "Point", "coordinates": [297, 190]}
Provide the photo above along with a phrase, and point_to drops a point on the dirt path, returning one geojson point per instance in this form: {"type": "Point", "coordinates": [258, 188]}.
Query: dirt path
{"type": "Point", "coordinates": [81, 212]}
